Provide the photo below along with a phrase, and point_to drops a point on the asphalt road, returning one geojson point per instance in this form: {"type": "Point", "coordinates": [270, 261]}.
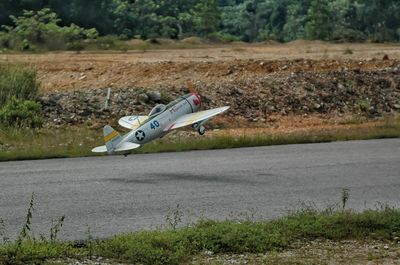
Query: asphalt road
{"type": "Point", "coordinates": [115, 194]}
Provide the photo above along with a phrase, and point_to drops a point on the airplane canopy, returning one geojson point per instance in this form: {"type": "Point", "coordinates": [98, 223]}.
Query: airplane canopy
{"type": "Point", "coordinates": [157, 109]}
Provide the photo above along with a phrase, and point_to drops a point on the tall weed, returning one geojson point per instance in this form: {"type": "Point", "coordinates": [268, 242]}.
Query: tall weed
{"type": "Point", "coordinates": [17, 81]}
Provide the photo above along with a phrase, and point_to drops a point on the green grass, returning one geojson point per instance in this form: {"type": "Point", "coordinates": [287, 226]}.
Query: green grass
{"type": "Point", "coordinates": [19, 144]}
{"type": "Point", "coordinates": [179, 245]}
{"type": "Point", "coordinates": [19, 81]}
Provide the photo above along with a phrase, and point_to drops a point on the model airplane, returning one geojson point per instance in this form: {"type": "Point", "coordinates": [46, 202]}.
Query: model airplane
{"type": "Point", "coordinates": [162, 119]}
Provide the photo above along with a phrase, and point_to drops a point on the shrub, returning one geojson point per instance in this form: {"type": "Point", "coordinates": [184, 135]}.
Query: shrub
{"type": "Point", "coordinates": [109, 42]}
{"type": "Point", "coordinates": [348, 35]}
{"type": "Point", "coordinates": [194, 41]}
{"type": "Point", "coordinates": [348, 51]}
{"type": "Point", "coordinates": [21, 113]}
{"type": "Point", "coordinates": [40, 29]}
{"type": "Point", "coordinates": [363, 105]}
{"type": "Point", "coordinates": [222, 37]}
{"type": "Point", "coordinates": [18, 81]}
{"type": "Point", "coordinates": [4, 40]}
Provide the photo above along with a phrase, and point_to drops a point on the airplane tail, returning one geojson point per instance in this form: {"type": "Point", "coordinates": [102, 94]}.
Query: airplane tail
{"type": "Point", "coordinates": [113, 140]}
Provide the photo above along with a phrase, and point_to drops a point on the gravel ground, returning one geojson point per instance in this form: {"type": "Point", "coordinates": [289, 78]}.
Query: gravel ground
{"type": "Point", "coordinates": [316, 252]}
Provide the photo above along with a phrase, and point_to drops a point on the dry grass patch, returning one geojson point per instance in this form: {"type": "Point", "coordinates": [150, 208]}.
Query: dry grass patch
{"type": "Point", "coordinates": [17, 144]}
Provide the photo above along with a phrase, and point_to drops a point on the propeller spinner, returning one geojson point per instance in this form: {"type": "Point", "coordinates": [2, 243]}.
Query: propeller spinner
{"type": "Point", "coordinates": [195, 93]}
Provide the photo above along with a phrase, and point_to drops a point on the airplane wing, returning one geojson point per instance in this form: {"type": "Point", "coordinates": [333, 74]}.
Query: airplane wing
{"type": "Point", "coordinates": [192, 118]}
{"type": "Point", "coordinates": [132, 122]}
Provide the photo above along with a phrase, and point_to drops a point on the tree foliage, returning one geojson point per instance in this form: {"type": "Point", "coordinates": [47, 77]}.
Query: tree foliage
{"type": "Point", "coordinates": [318, 21]}
{"type": "Point", "coordinates": [248, 20]}
{"type": "Point", "coordinates": [40, 28]}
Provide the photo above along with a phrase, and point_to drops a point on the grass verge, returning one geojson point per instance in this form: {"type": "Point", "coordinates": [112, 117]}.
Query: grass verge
{"type": "Point", "coordinates": [180, 245]}
{"type": "Point", "coordinates": [17, 144]}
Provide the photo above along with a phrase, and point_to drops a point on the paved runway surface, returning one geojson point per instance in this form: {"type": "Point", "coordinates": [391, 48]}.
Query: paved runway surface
{"type": "Point", "coordinates": [116, 194]}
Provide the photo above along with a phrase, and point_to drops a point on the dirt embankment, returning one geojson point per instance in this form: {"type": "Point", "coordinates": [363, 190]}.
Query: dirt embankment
{"type": "Point", "coordinates": [258, 92]}
{"type": "Point", "coordinates": [259, 84]}
{"type": "Point", "coordinates": [173, 68]}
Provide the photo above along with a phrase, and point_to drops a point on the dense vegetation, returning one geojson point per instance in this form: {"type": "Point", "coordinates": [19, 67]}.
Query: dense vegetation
{"type": "Point", "coordinates": [17, 81]}
{"type": "Point", "coordinates": [247, 20]}
{"type": "Point", "coordinates": [18, 94]}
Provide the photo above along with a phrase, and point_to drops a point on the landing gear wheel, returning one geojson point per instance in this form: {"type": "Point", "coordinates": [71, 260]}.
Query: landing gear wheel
{"type": "Point", "coordinates": [126, 154]}
{"type": "Point", "coordinates": [202, 130]}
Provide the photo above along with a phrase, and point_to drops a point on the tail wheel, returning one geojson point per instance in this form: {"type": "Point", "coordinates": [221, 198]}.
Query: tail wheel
{"type": "Point", "coordinates": [202, 130]}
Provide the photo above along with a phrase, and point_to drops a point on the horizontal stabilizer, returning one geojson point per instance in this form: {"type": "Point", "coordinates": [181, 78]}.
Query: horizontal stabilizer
{"type": "Point", "coordinates": [123, 147]}
{"type": "Point", "coordinates": [127, 146]}
{"type": "Point", "coordinates": [100, 149]}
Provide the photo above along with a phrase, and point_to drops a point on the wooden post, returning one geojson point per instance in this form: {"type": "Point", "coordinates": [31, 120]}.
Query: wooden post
{"type": "Point", "coordinates": [107, 98]}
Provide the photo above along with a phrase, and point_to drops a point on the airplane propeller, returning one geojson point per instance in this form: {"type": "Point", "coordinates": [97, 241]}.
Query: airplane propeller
{"type": "Point", "coordinates": [194, 91]}
{"type": "Point", "coordinates": [199, 126]}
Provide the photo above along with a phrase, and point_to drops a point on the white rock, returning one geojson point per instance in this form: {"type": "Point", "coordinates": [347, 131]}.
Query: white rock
{"type": "Point", "coordinates": [208, 253]}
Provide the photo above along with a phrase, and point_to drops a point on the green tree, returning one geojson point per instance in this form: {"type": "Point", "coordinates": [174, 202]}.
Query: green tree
{"type": "Point", "coordinates": [87, 14]}
{"type": "Point", "coordinates": [232, 21]}
{"type": "Point", "coordinates": [345, 22]}
{"type": "Point", "coordinates": [380, 19]}
{"type": "Point", "coordinates": [41, 29]}
{"type": "Point", "coordinates": [206, 17]}
{"type": "Point", "coordinates": [318, 21]}
{"type": "Point", "coordinates": [296, 15]}
{"type": "Point", "coordinates": [278, 20]}
{"type": "Point", "coordinates": [249, 20]}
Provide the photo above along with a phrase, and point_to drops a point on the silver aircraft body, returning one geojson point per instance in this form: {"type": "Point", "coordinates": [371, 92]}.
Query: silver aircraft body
{"type": "Point", "coordinates": [183, 111]}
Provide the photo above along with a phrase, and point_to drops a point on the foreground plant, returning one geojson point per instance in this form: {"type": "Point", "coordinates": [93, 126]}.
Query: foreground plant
{"type": "Point", "coordinates": [17, 81]}
{"type": "Point", "coordinates": [21, 114]}
{"type": "Point", "coordinates": [179, 245]}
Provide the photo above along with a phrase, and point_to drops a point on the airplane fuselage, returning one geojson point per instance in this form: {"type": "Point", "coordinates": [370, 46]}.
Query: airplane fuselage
{"type": "Point", "coordinates": [155, 126]}
{"type": "Point", "coordinates": [183, 111]}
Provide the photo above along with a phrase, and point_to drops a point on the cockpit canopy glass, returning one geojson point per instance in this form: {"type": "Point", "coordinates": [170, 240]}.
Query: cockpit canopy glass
{"type": "Point", "coordinates": [157, 109]}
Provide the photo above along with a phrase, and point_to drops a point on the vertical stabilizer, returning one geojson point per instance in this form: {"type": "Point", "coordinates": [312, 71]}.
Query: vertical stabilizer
{"type": "Point", "coordinates": [111, 138]}
{"type": "Point", "coordinates": [114, 142]}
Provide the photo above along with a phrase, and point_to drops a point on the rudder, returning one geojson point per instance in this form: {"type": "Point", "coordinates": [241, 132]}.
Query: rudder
{"type": "Point", "coordinates": [111, 138]}
{"type": "Point", "coordinates": [114, 142]}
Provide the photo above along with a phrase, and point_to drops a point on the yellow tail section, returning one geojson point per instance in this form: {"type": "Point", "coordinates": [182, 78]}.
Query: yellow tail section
{"type": "Point", "coordinates": [113, 141]}
{"type": "Point", "coordinates": [111, 138]}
